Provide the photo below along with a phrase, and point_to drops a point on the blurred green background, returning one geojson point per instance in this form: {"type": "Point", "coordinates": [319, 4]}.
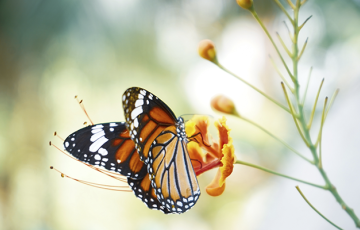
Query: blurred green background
{"type": "Point", "coordinates": [51, 51]}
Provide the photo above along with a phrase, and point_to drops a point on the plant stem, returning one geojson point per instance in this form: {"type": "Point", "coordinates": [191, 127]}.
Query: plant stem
{"type": "Point", "coordinates": [278, 174]}
{"type": "Point", "coordinates": [303, 123]}
{"type": "Point", "coordinates": [256, 89]}
{"type": "Point", "coordinates": [297, 187]}
{"type": "Point", "coordinates": [272, 41]}
{"type": "Point", "coordinates": [276, 138]}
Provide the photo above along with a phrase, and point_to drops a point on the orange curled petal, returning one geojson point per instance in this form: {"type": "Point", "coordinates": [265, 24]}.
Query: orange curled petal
{"type": "Point", "coordinates": [227, 161]}
{"type": "Point", "coordinates": [198, 125]}
{"type": "Point", "coordinates": [195, 152]}
{"type": "Point", "coordinates": [224, 132]}
{"type": "Point", "coordinates": [213, 189]}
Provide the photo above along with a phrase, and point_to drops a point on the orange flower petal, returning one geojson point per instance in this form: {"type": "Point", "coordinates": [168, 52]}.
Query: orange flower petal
{"type": "Point", "coordinates": [213, 189]}
{"type": "Point", "coordinates": [224, 132]}
{"type": "Point", "coordinates": [198, 124]}
{"type": "Point", "coordinates": [195, 152]}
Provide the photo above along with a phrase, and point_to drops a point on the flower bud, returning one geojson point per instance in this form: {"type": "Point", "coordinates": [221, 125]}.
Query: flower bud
{"type": "Point", "coordinates": [207, 50]}
{"type": "Point", "coordinates": [223, 104]}
{"type": "Point", "coordinates": [246, 4]}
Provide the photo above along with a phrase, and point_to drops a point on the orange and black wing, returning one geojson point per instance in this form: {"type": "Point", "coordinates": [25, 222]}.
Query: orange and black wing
{"type": "Point", "coordinates": [171, 172]}
{"type": "Point", "coordinates": [107, 145]}
{"type": "Point", "coordinates": [146, 117]}
{"type": "Point", "coordinates": [146, 193]}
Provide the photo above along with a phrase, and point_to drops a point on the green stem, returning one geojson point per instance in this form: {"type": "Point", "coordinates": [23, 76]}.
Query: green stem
{"type": "Point", "coordinates": [303, 196]}
{"type": "Point", "coordinates": [282, 76]}
{"type": "Point", "coordinates": [307, 86]}
{"type": "Point", "coordinates": [256, 89]}
{"type": "Point", "coordinates": [278, 174]}
{"type": "Point", "coordinates": [306, 131]}
{"type": "Point", "coordinates": [320, 133]}
{"type": "Point", "coordinates": [332, 101]}
{"type": "Point", "coordinates": [314, 107]}
{"type": "Point", "coordinates": [276, 138]}
{"type": "Point", "coordinates": [293, 113]}
{"type": "Point", "coordinates": [284, 10]}
{"type": "Point", "coordinates": [272, 41]}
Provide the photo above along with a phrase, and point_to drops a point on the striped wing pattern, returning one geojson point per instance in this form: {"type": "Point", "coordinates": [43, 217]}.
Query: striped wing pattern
{"type": "Point", "coordinates": [149, 149]}
{"type": "Point", "coordinates": [146, 116]}
{"type": "Point", "coordinates": [161, 141]}
{"type": "Point", "coordinates": [173, 177]}
{"type": "Point", "coordinates": [107, 145]}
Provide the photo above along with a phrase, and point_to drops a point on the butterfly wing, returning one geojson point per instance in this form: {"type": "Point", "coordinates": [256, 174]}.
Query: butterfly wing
{"type": "Point", "coordinates": [146, 117]}
{"type": "Point", "coordinates": [145, 192]}
{"type": "Point", "coordinates": [107, 145]}
{"type": "Point", "coordinates": [172, 174]}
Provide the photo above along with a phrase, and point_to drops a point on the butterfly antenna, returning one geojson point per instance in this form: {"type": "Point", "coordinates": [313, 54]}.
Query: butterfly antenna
{"type": "Point", "coordinates": [193, 114]}
{"type": "Point", "coordinates": [96, 185]}
{"type": "Point", "coordinates": [83, 108]}
{"type": "Point", "coordinates": [56, 135]}
{"type": "Point", "coordinates": [113, 175]}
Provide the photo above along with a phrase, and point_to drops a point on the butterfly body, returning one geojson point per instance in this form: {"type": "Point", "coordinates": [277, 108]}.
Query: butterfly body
{"type": "Point", "coordinates": [149, 149]}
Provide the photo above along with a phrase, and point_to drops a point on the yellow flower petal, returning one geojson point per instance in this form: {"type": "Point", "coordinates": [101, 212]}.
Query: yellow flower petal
{"type": "Point", "coordinates": [227, 160]}
{"type": "Point", "coordinates": [198, 124]}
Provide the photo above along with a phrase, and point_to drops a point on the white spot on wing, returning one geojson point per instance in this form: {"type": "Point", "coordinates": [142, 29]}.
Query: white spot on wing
{"type": "Point", "coordinates": [139, 103]}
{"type": "Point", "coordinates": [113, 124]}
{"type": "Point", "coordinates": [97, 157]}
{"type": "Point", "coordinates": [103, 151]}
{"type": "Point", "coordinates": [136, 123]}
{"type": "Point", "coordinates": [179, 203]}
{"type": "Point", "coordinates": [136, 112]}
{"type": "Point", "coordinates": [97, 144]}
{"type": "Point", "coordinates": [143, 92]}
{"type": "Point", "coordinates": [97, 136]}
{"type": "Point", "coordinates": [66, 144]}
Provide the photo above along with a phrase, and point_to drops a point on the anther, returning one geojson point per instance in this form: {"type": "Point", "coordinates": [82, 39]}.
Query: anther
{"type": "Point", "coordinates": [51, 167]}
{"type": "Point", "coordinates": [50, 143]}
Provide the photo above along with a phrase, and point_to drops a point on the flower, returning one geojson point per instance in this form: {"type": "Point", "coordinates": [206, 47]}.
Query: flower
{"type": "Point", "coordinates": [207, 155]}
{"type": "Point", "coordinates": [223, 104]}
{"type": "Point", "coordinates": [246, 4]}
{"type": "Point", "coordinates": [207, 50]}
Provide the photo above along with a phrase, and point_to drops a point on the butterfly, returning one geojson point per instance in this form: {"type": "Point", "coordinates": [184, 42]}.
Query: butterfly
{"type": "Point", "coordinates": [149, 149]}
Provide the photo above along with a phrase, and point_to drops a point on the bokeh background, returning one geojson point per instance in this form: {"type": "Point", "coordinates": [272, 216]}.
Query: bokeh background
{"type": "Point", "coordinates": [52, 50]}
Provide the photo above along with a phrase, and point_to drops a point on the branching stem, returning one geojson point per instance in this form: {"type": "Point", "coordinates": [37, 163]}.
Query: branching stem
{"type": "Point", "coordinates": [256, 89]}
{"type": "Point", "coordinates": [303, 196]}
{"type": "Point", "coordinates": [278, 174]}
